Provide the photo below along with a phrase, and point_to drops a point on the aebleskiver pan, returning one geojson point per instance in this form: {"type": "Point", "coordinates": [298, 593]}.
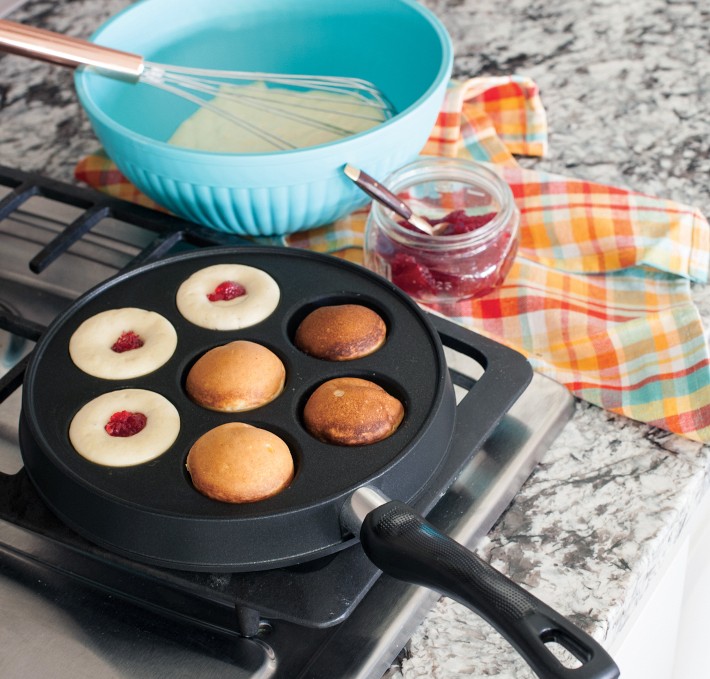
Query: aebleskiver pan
{"type": "Point", "coordinates": [136, 512]}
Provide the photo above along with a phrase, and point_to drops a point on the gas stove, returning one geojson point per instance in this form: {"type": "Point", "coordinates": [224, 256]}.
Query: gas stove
{"type": "Point", "coordinates": [73, 609]}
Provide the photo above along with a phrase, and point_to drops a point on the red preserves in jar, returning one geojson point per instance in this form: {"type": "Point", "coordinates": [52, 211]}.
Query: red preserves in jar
{"type": "Point", "coordinates": [471, 256]}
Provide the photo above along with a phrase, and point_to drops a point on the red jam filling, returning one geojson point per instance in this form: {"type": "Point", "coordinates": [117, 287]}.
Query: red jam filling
{"type": "Point", "coordinates": [226, 291]}
{"type": "Point", "coordinates": [458, 222]}
{"type": "Point", "coordinates": [411, 276]}
{"type": "Point", "coordinates": [126, 342]}
{"type": "Point", "coordinates": [125, 423]}
{"type": "Point", "coordinates": [429, 276]}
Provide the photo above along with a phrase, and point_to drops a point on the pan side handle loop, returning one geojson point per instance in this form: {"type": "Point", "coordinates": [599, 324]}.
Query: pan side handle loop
{"type": "Point", "coordinates": [506, 375]}
{"type": "Point", "coordinates": [407, 547]}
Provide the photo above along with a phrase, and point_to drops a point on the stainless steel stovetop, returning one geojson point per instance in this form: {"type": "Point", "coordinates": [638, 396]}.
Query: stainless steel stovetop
{"type": "Point", "coordinates": [63, 616]}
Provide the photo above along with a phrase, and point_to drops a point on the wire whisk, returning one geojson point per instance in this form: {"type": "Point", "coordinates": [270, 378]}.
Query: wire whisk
{"type": "Point", "coordinates": [336, 105]}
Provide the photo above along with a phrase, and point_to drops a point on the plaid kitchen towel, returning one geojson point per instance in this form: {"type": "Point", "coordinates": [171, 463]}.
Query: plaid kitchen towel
{"type": "Point", "coordinates": [599, 295]}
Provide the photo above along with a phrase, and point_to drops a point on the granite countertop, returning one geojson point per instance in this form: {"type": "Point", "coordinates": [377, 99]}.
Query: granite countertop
{"type": "Point", "coordinates": [623, 84]}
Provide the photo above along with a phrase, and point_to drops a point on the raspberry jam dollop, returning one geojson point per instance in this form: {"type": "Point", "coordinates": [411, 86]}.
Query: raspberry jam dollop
{"type": "Point", "coordinates": [459, 222]}
{"type": "Point", "coordinates": [124, 423]}
{"type": "Point", "coordinates": [127, 341]}
{"type": "Point", "coordinates": [226, 291]}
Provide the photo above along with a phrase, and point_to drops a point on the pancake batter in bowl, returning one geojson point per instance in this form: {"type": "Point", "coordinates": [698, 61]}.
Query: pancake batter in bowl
{"type": "Point", "coordinates": [261, 119]}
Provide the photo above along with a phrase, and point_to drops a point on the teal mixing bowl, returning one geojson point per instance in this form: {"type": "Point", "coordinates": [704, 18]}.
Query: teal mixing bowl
{"type": "Point", "coordinates": [397, 44]}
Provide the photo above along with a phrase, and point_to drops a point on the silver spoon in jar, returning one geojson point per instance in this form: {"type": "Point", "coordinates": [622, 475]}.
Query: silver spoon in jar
{"type": "Point", "coordinates": [375, 190]}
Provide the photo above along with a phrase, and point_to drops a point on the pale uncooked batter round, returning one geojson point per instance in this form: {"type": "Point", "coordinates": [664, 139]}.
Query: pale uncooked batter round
{"type": "Point", "coordinates": [90, 347]}
{"type": "Point", "coordinates": [88, 435]}
{"type": "Point", "coordinates": [260, 297]}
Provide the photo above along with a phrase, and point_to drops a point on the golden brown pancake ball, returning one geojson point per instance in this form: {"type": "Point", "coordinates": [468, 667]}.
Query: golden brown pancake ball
{"type": "Point", "coordinates": [341, 332]}
{"type": "Point", "coordinates": [351, 411]}
{"type": "Point", "coordinates": [238, 376]}
{"type": "Point", "coordinates": [236, 462]}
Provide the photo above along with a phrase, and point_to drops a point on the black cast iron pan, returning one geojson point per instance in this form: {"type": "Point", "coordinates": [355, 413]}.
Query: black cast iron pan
{"type": "Point", "coordinates": [152, 513]}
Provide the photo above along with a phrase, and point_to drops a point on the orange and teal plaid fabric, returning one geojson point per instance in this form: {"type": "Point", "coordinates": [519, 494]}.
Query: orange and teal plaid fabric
{"type": "Point", "coordinates": [599, 295]}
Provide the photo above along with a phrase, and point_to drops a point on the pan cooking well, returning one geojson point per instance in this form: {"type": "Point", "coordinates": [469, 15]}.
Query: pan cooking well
{"type": "Point", "coordinates": [151, 512]}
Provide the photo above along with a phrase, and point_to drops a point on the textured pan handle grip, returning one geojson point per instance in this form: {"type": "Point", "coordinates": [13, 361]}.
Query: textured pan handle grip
{"type": "Point", "coordinates": [28, 41]}
{"type": "Point", "coordinates": [404, 545]}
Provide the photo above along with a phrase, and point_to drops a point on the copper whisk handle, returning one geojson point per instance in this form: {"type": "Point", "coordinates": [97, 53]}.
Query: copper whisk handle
{"type": "Point", "coordinates": [59, 49]}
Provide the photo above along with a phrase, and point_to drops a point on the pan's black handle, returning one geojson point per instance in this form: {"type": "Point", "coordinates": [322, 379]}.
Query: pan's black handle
{"type": "Point", "coordinates": [404, 545]}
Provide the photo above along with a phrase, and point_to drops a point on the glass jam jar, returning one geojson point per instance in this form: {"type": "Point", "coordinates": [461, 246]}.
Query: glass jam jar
{"type": "Point", "coordinates": [471, 256]}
